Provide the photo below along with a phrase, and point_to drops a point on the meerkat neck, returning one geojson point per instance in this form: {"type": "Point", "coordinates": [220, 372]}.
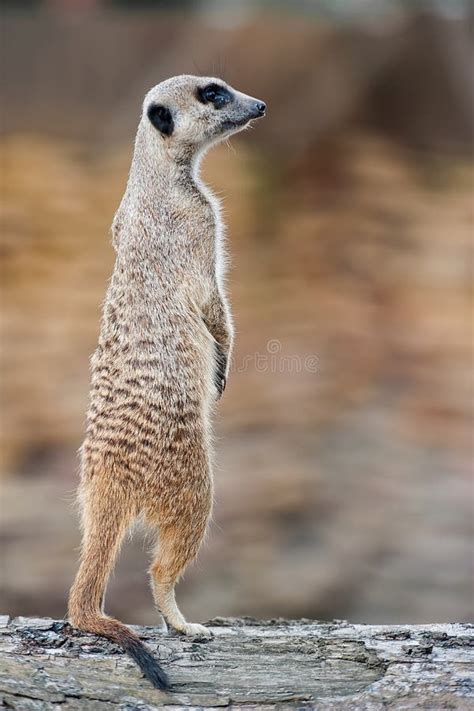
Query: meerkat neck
{"type": "Point", "coordinates": [152, 173]}
{"type": "Point", "coordinates": [162, 186]}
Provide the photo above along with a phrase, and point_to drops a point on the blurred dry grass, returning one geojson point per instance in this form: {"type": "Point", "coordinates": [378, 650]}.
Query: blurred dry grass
{"type": "Point", "coordinates": [340, 492]}
{"type": "Point", "coordinates": [320, 474]}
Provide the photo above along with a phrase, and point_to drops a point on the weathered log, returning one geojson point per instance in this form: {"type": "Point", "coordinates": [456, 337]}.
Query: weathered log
{"type": "Point", "coordinates": [45, 665]}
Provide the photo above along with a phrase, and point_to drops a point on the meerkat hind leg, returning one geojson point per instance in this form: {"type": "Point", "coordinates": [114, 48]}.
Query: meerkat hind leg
{"type": "Point", "coordinates": [104, 529]}
{"type": "Point", "coordinates": [176, 548]}
{"type": "Point", "coordinates": [165, 599]}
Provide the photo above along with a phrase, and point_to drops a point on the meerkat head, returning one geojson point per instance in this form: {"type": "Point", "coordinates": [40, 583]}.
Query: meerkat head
{"type": "Point", "coordinates": [189, 113]}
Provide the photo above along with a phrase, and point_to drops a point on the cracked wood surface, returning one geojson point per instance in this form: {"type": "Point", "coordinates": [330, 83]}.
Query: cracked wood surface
{"type": "Point", "coordinates": [276, 664]}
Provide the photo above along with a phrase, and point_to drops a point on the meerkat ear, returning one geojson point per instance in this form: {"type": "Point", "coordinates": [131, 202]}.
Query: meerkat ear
{"type": "Point", "coordinates": [161, 118]}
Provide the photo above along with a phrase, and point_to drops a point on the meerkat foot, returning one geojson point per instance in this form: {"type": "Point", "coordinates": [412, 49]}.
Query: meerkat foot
{"type": "Point", "coordinates": [193, 629]}
{"type": "Point", "coordinates": [166, 604]}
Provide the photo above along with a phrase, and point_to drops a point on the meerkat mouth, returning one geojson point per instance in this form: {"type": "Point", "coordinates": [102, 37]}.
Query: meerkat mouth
{"type": "Point", "coordinates": [228, 125]}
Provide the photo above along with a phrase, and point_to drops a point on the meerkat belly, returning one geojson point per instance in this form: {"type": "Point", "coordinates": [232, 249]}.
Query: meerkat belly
{"type": "Point", "coordinates": [148, 397]}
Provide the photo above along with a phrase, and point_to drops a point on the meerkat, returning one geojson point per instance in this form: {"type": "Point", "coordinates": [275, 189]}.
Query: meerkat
{"type": "Point", "coordinates": [162, 359]}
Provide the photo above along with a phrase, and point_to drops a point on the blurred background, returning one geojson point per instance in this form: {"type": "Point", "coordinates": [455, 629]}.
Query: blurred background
{"type": "Point", "coordinates": [344, 450]}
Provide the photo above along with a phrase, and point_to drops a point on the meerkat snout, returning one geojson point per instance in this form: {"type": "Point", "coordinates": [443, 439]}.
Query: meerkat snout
{"type": "Point", "coordinates": [195, 112]}
{"type": "Point", "coordinates": [260, 108]}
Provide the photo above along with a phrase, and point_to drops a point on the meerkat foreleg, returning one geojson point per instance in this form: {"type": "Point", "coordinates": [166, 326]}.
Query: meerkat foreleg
{"type": "Point", "coordinates": [217, 319]}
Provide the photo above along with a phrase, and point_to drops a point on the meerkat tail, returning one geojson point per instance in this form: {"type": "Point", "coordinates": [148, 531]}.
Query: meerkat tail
{"type": "Point", "coordinates": [120, 634]}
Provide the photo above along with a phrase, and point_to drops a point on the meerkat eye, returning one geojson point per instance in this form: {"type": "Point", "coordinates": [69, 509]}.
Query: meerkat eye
{"type": "Point", "coordinates": [214, 94]}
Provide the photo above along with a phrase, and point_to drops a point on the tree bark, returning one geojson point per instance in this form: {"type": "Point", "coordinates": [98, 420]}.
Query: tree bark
{"type": "Point", "coordinates": [277, 664]}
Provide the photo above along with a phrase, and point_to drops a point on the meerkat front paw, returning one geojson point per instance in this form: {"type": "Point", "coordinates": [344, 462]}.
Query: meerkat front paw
{"type": "Point", "coordinates": [195, 630]}
{"type": "Point", "coordinates": [220, 376]}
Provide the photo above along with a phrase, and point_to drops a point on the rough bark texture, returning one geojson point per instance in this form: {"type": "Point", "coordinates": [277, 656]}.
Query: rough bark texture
{"type": "Point", "coordinates": [45, 665]}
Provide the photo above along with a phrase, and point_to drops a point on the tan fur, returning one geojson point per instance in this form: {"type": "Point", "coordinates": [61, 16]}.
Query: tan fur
{"type": "Point", "coordinates": [147, 450]}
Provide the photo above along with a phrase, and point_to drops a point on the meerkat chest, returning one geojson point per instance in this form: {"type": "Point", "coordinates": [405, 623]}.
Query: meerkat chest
{"type": "Point", "coordinates": [212, 235]}
{"type": "Point", "coordinates": [202, 234]}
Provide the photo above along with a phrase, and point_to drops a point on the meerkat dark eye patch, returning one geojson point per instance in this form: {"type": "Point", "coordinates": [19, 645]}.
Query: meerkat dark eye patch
{"type": "Point", "coordinates": [161, 118]}
{"type": "Point", "coordinates": [214, 94]}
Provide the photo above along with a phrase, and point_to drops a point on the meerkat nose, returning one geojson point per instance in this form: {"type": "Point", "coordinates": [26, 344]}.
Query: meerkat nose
{"type": "Point", "coordinates": [261, 107]}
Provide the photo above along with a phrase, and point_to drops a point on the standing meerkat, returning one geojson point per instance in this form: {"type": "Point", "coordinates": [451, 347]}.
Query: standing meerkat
{"type": "Point", "coordinates": [162, 359]}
